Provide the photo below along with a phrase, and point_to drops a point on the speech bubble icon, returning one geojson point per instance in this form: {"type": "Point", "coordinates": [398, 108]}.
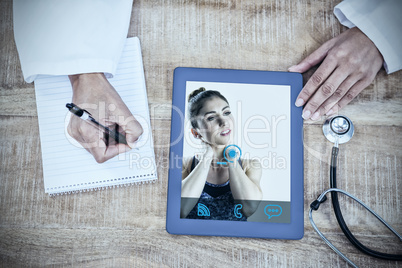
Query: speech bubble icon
{"type": "Point", "coordinates": [273, 211]}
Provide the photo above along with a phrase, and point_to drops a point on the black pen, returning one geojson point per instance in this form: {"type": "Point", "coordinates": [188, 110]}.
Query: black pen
{"type": "Point", "coordinates": [85, 115]}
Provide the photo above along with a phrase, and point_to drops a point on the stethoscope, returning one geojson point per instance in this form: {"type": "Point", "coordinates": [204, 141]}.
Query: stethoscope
{"type": "Point", "coordinates": [339, 129]}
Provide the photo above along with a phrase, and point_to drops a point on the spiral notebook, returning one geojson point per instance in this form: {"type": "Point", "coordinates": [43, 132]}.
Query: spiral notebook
{"type": "Point", "coordinates": [67, 166]}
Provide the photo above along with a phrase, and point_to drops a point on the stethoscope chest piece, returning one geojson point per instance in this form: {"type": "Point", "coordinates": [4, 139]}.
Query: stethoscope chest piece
{"type": "Point", "coordinates": [338, 127]}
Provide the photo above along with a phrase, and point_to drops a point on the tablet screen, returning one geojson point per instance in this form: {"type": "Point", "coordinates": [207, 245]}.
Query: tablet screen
{"type": "Point", "coordinates": [236, 152]}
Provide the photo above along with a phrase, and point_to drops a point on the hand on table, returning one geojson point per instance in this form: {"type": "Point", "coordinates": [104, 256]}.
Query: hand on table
{"type": "Point", "coordinates": [94, 93]}
{"type": "Point", "coordinates": [350, 61]}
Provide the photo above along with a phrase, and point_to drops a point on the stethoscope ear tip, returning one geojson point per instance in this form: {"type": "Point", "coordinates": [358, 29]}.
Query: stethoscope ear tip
{"type": "Point", "coordinates": [338, 129]}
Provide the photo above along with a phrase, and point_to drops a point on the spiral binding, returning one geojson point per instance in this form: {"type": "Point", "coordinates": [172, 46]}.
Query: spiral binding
{"type": "Point", "coordinates": [91, 188]}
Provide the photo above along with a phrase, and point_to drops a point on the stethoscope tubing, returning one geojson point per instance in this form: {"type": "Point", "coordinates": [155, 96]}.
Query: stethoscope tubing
{"type": "Point", "coordinates": [342, 223]}
{"type": "Point", "coordinates": [322, 199]}
{"type": "Point", "coordinates": [327, 241]}
{"type": "Point", "coordinates": [334, 137]}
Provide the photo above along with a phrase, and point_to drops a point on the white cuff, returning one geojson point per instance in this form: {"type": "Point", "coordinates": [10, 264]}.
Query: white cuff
{"type": "Point", "coordinates": [381, 22]}
{"type": "Point", "coordinates": [34, 69]}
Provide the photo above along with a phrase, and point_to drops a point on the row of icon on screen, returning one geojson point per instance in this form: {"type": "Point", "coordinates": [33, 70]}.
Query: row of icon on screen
{"type": "Point", "coordinates": [269, 210]}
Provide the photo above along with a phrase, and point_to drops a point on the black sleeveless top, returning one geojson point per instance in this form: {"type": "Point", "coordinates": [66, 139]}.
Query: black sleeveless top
{"type": "Point", "coordinates": [216, 202]}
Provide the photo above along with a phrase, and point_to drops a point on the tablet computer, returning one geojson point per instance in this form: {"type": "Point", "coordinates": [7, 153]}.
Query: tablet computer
{"type": "Point", "coordinates": [236, 154]}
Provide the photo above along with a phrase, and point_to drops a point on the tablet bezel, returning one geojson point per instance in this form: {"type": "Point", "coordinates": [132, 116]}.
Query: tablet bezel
{"type": "Point", "coordinates": [177, 225]}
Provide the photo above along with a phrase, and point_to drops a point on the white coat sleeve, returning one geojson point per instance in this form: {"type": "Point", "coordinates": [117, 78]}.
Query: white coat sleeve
{"type": "Point", "coordinates": [379, 20]}
{"type": "Point", "coordinates": [70, 37]}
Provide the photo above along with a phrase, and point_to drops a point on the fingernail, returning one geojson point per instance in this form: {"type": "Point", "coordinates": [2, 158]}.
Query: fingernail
{"type": "Point", "coordinates": [132, 145]}
{"type": "Point", "coordinates": [292, 68]}
{"type": "Point", "coordinates": [330, 112]}
{"type": "Point", "coordinates": [299, 102]}
{"type": "Point", "coordinates": [306, 115]}
{"type": "Point", "coordinates": [135, 143]}
{"type": "Point", "coordinates": [315, 116]}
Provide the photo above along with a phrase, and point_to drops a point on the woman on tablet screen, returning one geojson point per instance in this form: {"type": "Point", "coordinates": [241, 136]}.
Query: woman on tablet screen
{"type": "Point", "coordinates": [212, 187]}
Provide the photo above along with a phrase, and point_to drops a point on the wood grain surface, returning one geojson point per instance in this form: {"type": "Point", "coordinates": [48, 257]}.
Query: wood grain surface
{"type": "Point", "coordinates": [126, 226]}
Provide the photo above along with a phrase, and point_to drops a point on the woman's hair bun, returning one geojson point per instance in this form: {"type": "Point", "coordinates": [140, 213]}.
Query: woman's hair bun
{"type": "Point", "coordinates": [195, 93]}
{"type": "Point", "coordinates": [196, 101]}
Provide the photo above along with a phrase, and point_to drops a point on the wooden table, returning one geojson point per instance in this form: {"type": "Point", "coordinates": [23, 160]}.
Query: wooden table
{"type": "Point", "coordinates": [126, 226]}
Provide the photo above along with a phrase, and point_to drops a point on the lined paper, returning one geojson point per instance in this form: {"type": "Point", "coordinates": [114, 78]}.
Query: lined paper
{"type": "Point", "coordinates": [67, 166]}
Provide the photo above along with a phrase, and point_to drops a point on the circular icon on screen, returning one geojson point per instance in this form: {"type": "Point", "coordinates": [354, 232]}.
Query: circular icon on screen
{"type": "Point", "coordinates": [233, 152]}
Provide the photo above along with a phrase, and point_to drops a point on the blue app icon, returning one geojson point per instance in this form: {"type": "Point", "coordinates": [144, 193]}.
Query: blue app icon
{"type": "Point", "coordinates": [237, 212]}
{"type": "Point", "coordinates": [202, 210]}
{"type": "Point", "coordinates": [233, 153]}
{"type": "Point", "coordinates": [273, 211]}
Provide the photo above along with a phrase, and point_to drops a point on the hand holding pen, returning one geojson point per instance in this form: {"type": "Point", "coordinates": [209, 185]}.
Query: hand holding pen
{"type": "Point", "coordinates": [102, 124]}
{"type": "Point", "coordinates": [108, 132]}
